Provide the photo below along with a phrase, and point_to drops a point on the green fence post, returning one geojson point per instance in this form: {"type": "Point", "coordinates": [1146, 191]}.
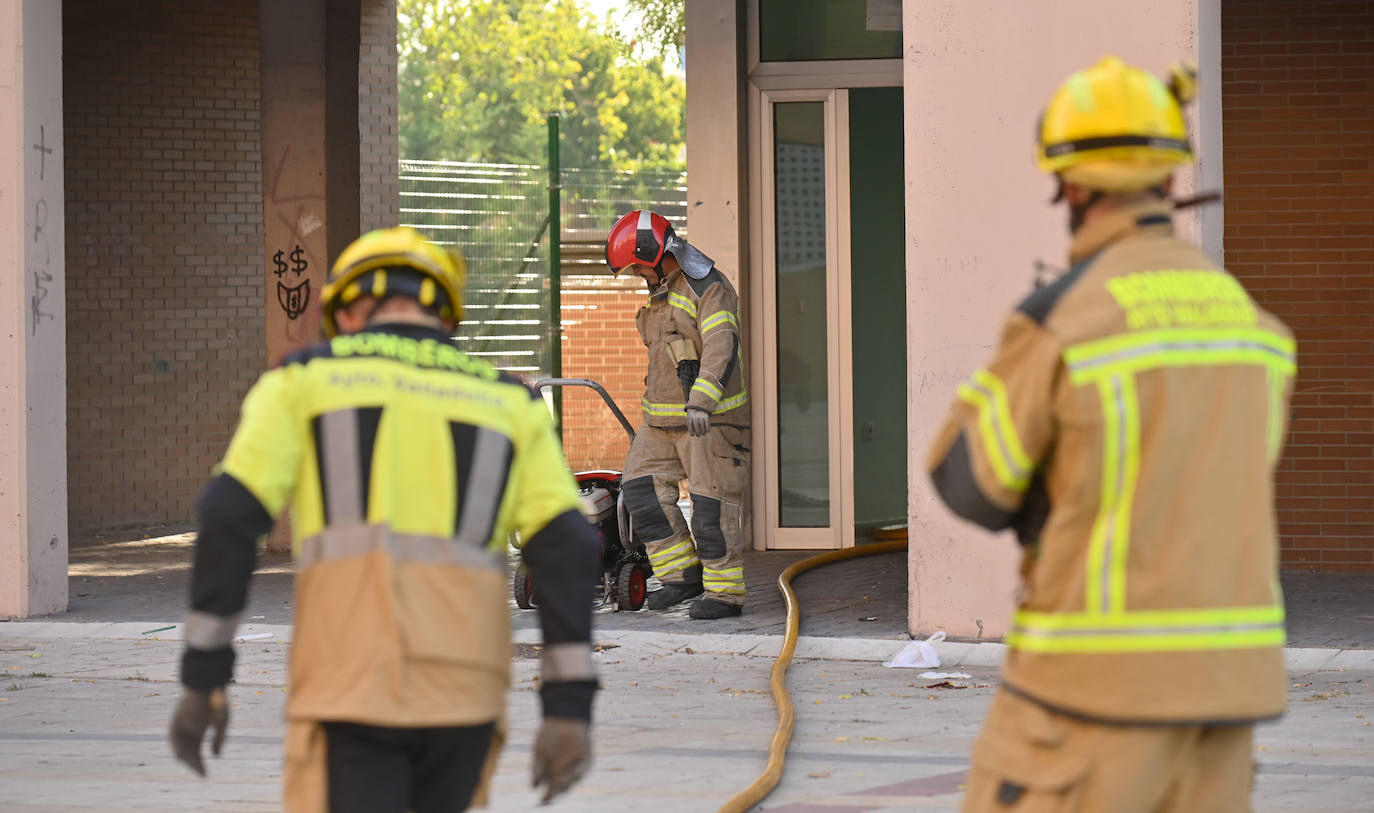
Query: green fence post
{"type": "Point", "coordinates": [555, 272]}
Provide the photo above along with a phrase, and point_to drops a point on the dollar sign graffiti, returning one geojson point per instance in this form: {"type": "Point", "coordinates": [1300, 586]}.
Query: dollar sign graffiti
{"type": "Point", "coordinates": [279, 263]}
{"type": "Point", "coordinates": [298, 263]}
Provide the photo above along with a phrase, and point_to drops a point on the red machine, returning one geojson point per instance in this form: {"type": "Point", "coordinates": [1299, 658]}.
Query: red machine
{"type": "Point", "coordinates": [624, 562]}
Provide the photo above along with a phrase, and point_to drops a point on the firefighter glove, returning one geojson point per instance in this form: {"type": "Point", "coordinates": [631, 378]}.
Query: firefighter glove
{"type": "Point", "coordinates": [698, 421]}
{"type": "Point", "coordinates": [562, 754]}
{"type": "Point", "coordinates": [199, 710]}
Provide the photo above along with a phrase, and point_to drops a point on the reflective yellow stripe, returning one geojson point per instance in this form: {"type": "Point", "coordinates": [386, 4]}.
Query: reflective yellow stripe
{"type": "Point", "coordinates": [1133, 352]}
{"type": "Point", "coordinates": [673, 566]}
{"type": "Point", "coordinates": [703, 386]}
{"type": "Point", "coordinates": [717, 319]}
{"type": "Point", "coordinates": [1277, 382]}
{"type": "Point", "coordinates": [1148, 630]}
{"type": "Point", "coordinates": [662, 409]}
{"type": "Point", "coordinates": [731, 402]}
{"type": "Point", "coordinates": [1010, 463]}
{"type": "Point", "coordinates": [683, 303]}
{"type": "Point", "coordinates": [728, 580]}
{"type": "Point", "coordinates": [1110, 540]}
{"type": "Point", "coordinates": [671, 410]}
{"type": "Point", "coordinates": [665, 554]}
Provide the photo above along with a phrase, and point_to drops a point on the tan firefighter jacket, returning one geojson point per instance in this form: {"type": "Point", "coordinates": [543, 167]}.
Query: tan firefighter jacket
{"type": "Point", "coordinates": [693, 320]}
{"type": "Point", "coordinates": [1128, 428]}
{"type": "Point", "coordinates": [407, 465]}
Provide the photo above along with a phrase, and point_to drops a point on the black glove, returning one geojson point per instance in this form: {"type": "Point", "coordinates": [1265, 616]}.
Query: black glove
{"type": "Point", "coordinates": [698, 421]}
{"type": "Point", "coordinates": [198, 710]}
{"type": "Point", "coordinates": [562, 754]}
{"type": "Point", "coordinates": [687, 371]}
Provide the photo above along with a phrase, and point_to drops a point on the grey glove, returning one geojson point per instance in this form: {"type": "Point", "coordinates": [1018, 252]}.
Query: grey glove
{"type": "Point", "coordinates": [198, 710]}
{"type": "Point", "coordinates": [698, 421]}
{"type": "Point", "coordinates": [562, 754]}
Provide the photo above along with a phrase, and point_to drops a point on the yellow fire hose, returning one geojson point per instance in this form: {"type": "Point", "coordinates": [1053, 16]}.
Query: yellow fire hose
{"type": "Point", "coordinates": [777, 751]}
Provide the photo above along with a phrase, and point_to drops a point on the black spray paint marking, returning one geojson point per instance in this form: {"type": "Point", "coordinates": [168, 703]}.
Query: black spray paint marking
{"type": "Point", "coordinates": [293, 299]}
{"type": "Point", "coordinates": [41, 277]}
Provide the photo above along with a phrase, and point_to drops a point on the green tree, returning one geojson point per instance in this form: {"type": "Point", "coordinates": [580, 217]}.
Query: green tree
{"type": "Point", "coordinates": [478, 78]}
{"type": "Point", "coordinates": [662, 24]}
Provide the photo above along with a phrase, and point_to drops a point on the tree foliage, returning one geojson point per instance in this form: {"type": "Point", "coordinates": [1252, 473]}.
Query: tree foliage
{"type": "Point", "coordinates": [662, 24]}
{"type": "Point", "coordinates": [478, 77]}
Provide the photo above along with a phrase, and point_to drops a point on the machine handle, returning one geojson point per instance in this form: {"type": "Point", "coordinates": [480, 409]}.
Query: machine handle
{"type": "Point", "coordinates": [600, 390]}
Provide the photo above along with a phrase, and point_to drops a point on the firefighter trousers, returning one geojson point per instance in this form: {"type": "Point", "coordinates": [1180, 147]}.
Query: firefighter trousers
{"type": "Point", "coordinates": [716, 466]}
{"type": "Point", "coordinates": [1030, 759]}
{"type": "Point", "coordinates": [353, 768]}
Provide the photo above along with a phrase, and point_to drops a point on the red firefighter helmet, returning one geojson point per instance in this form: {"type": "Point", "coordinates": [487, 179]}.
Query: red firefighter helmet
{"type": "Point", "coordinates": [638, 237]}
{"type": "Point", "coordinates": [642, 237]}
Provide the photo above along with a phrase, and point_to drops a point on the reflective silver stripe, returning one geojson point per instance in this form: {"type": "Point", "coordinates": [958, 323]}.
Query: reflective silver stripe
{"type": "Point", "coordinates": [646, 221]}
{"type": "Point", "coordinates": [343, 489]}
{"type": "Point", "coordinates": [1142, 631]}
{"type": "Point", "coordinates": [482, 492]}
{"type": "Point", "coordinates": [359, 540]}
{"type": "Point", "coordinates": [1119, 478]}
{"type": "Point", "coordinates": [1177, 346]}
{"type": "Point", "coordinates": [206, 631]}
{"type": "Point", "coordinates": [567, 662]}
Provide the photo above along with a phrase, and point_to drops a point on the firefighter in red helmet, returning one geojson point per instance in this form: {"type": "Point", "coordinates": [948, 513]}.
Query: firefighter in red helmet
{"type": "Point", "coordinates": [696, 419]}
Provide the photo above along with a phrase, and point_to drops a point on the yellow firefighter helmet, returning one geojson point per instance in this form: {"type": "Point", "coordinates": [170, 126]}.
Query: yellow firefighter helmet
{"type": "Point", "coordinates": [1116, 128]}
{"type": "Point", "coordinates": [393, 261]}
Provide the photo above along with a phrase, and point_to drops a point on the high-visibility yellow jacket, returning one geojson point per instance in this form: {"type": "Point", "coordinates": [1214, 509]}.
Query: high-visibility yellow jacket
{"type": "Point", "coordinates": [1128, 428]}
{"type": "Point", "coordinates": [688, 317]}
{"type": "Point", "coordinates": [407, 466]}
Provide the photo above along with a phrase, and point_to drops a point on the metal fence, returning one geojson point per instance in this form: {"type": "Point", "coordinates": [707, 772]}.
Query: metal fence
{"type": "Point", "coordinates": [497, 216]}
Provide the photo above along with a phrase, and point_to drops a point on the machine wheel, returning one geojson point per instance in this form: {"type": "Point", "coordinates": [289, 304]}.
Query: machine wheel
{"type": "Point", "coordinates": [631, 586]}
{"type": "Point", "coordinates": [522, 588]}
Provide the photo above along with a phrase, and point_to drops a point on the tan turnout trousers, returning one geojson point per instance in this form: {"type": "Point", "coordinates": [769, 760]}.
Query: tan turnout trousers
{"type": "Point", "coordinates": [1030, 759]}
{"type": "Point", "coordinates": [717, 466]}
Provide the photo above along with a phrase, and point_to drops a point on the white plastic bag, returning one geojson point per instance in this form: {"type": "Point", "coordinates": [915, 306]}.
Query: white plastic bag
{"type": "Point", "coordinates": [918, 654]}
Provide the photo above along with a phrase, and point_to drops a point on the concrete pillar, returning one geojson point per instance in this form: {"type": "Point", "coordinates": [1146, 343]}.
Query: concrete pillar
{"type": "Point", "coordinates": [717, 159]}
{"type": "Point", "coordinates": [33, 360]}
{"type": "Point", "coordinates": [310, 160]}
{"type": "Point", "coordinates": [977, 73]}
{"type": "Point", "coordinates": [716, 180]}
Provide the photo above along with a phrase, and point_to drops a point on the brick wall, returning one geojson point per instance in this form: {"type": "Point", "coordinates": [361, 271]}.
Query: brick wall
{"type": "Point", "coordinates": [379, 136]}
{"type": "Point", "coordinates": [165, 329]}
{"type": "Point", "coordinates": [1298, 112]}
{"type": "Point", "coordinates": [164, 242]}
{"type": "Point", "coordinates": [600, 342]}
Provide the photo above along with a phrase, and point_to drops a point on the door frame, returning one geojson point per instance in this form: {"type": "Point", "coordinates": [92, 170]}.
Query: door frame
{"type": "Point", "coordinates": [769, 83]}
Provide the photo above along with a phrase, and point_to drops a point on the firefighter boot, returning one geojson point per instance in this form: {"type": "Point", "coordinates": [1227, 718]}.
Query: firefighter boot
{"type": "Point", "coordinates": [677, 592]}
{"type": "Point", "coordinates": [710, 608]}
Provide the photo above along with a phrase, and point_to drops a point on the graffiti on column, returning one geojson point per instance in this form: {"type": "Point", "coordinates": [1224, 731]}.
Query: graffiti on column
{"type": "Point", "coordinates": [41, 275]}
{"type": "Point", "coordinates": [292, 298]}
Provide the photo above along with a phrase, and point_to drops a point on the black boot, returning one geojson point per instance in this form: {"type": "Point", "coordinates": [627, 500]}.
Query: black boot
{"type": "Point", "coordinates": [712, 608]}
{"type": "Point", "coordinates": [673, 593]}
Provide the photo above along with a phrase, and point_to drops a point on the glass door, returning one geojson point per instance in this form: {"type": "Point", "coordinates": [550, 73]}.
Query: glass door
{"type": "Point", "coordinates": [830, 429]}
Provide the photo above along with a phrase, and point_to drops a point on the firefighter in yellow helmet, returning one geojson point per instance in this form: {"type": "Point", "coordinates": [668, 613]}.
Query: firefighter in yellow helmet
{"type": "Point", "coordinates": [1127, 428]}
{"type": "Point", "coordinates": [406, 465]}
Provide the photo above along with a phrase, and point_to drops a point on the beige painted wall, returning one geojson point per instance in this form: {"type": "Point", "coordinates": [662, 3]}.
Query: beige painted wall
{"type": "Point", "coordinates": [715, 178]}
{"type": "Point", "coordinates": [33, 425]}
{"type": "Point", "coordinates": [976, 74]}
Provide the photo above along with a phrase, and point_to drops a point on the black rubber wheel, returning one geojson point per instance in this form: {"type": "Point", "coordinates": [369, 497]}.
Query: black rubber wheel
{"type": "Point", "coordinates": [631, 587]}
{"type": "Point", "coordinates": [522, 588]}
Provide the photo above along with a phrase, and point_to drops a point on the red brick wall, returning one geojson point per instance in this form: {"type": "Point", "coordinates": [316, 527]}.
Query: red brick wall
{"type": "Point", "coordinates": [164, 242]}
{"type": "Point", "coordinates": [1298, 152]}
{"type": "Point", "coordinates": [600, 342]}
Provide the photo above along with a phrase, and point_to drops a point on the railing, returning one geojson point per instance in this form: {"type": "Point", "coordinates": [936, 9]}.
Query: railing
{"type": "Point", "coordinates": [497, 216]}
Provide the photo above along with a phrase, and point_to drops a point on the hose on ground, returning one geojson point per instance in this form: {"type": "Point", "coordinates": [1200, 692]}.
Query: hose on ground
{"type": "Point", "coordinates": [782, 735]}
